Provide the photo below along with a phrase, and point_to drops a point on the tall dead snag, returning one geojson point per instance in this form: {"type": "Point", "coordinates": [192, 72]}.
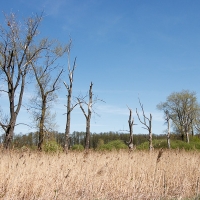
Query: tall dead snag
{"type": "Point", "coordinates": [147, 126]}
{"type": "Point", "coordinates": [17, 50]}
{"type": "Point", "coordinates": [167, 118]}
{"type": "Point", "coordinates": [69, 106]}
{"type": "Point", "coordinates": [87, 116]}
{"type": "Point", "coordinates": [130, 123]}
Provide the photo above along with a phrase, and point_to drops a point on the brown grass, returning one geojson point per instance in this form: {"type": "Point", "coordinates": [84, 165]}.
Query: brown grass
{"type": "Point", "coordinates": [103, 176]}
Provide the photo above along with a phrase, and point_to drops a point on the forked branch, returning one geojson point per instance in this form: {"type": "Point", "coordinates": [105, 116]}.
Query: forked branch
{"type": "Point", "coordinates": [146, 126]}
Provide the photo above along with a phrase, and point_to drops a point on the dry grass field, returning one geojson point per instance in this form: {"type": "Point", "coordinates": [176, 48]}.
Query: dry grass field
{"type": "Point", "coordinates": [103, 176]}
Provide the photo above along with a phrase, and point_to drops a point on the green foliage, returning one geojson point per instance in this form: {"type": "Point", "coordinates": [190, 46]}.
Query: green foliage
{"type": "Point", "coordinates": [160, 144]}
{"type": "Point", "coordinates": [78, 147]}
{"type": "Point", "coordinates": [113, 145]}
{"type": "Point", "coordinates": [100, 143]}
{"type": "Point", "coordinates": [175, 144]}
{"type": "Point", "coordinates": [143, 146]}
{"type": "Point", "coordinates": [178, 144]}
{"type": "Point", "coordinates": [52, 147]}
{"type": "Point", "coordinates": [182, 108]}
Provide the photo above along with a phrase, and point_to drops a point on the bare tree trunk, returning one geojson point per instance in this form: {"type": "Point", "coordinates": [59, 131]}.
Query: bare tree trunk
{"type": "Point", "coordinates": [41, 126]}
{"type": "Point", "coordinates": [87, 138]}
{"type": "Point", "coordinates": [150, 134]}
{"type": "Point", "coordinates": [88, 117]}
{"type": "Point", "coordinates": [168, 128]}
{"type": "Point", "coordinates": [188, 138]}
{"type": "Point", "coordinates": [192, 131]}
{"type": "Point", "coordinates": [186, 130]}
{"type": "Point", "coordinates": [9, 131]}
{"type": "Point", "coordinates": [168, 135]}
{"type": "Point", "coordinates": [148, 127]}
{"type": "Point", "coordinates": [9, 134]}
{"type": "Point", "coordinates": [67, 129]}
{"type": "Point", "coordinates": [130, 122]}
{"type": "Point", "coordinates": [69, 97]}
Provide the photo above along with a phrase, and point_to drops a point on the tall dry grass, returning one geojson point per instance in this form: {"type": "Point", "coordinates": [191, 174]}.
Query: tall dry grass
{"type": "Point", "coordinates": [110, 175]}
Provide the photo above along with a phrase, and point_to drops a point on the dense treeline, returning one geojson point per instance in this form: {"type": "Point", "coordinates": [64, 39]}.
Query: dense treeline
{"type": "Point", "coordinates": [30, 140]}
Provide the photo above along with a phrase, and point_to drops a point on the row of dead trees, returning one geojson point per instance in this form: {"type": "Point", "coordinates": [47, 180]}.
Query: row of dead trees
{"type": "Point", "coordinates": [147, 124]}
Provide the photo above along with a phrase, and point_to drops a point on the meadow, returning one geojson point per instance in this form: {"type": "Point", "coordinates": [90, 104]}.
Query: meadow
{"type": "Point", "coordinates": [167, 174]}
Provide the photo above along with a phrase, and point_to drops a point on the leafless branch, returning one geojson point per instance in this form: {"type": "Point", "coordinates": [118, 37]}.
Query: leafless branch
{"type": "Point", "coordinates": [146, 126]}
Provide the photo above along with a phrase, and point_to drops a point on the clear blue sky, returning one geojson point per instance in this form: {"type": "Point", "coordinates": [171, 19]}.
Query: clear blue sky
{"type": "Point", "coordinates": [127, 49]}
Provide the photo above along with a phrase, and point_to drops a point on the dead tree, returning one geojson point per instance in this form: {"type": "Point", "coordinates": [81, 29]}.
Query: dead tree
{"type": "Point", "coordinates": [167, 118]}
{"type": "Point", "coordinates": [130, 123]}
{"type": "Point", "coordinates": [87, 116]}
{"type": "Point", "coordinates": [17, 50]}
{"type": "Point", "coordinates": [147, 126]}
{"type": "Point", "coordinates": [69, 106]}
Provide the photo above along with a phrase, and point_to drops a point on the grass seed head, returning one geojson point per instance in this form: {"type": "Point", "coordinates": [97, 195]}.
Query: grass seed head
{"type": "Point", "coordinates": [159, 155]}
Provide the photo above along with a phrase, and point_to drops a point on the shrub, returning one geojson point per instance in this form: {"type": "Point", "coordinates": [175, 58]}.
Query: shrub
{"type": "Point", "coordinates": [78, 147]}
{"type": "Point", "coordinates": [178, 144]}
{"type": "Point", "coordinates": [51, 147]}
{"type": "Point", "coordinates": [113, 145]}
{"type": "Point", "coordinates": [100, 143]}
{"type": "Point", "coordinates": [157, 144]}
{"type": "Point", "coordinates": [175, 144]}
{"type": "Point", "coordinates": [143, 146]}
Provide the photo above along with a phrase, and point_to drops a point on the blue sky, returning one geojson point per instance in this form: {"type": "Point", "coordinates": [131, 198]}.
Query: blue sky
{"type": "Point", "coordinates": [126, 48]}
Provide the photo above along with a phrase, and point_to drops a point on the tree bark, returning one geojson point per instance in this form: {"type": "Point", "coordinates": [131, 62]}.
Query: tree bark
{"type": "Point", "coordinates": [41, 125]}
{"type": "Point", "coordinates": [150, 134]}
{"type": "Point", "coordinates": [69, 106]}
{"type": "Point", "coordinates": [187, 133]}
{"type": "Point", "coordinates": [87, 138]}
{"type": "Point", "coordinates": [9, 134]}
{"type": "Point", "coordinates": [88, 117]}
{"type": "Point", "coordinates": [67, 129]}
{"type": "Point", "coordinates": [130, 122]}
{"type": "Point", "coordinates": [13, 112]}
{"type": "Point", "coordinates": [147, 126]}
{"type": "Point", "coordinates": [168, 128]}
{"type": "Point", "coordinates": [168, 135]}
{"type": "Point", "coordinates": [187, 137]}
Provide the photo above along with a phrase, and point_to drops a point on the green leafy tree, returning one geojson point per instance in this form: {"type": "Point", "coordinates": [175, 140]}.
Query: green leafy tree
{"type": "Point", "coordinates": [183, 109]}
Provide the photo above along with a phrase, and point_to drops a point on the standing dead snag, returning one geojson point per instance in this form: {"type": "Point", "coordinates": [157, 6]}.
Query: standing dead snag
{"type": "Point", "coordinates": [147, 126]}
{"type": "Point", "coordinates": [130, 122]}
{"type": "Point", "coordinates": [167, 118]}
{"type": "Point", "coordinates": [69, 96]}
{"type": "Point", "coordinates": [87, 116]}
